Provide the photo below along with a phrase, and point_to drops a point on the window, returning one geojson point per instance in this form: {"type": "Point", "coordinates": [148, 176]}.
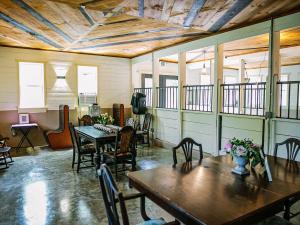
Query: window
{"type": "Point", "coordinates": [87, 80]}
{"type": "Point", "coordinates": [87, 85]}
{"type": "Point", "coordinates": [31, 78]}
{"type": "Point", "coordinates": [146, 80]}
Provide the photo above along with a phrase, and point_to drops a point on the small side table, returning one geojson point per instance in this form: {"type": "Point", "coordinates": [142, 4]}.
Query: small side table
{"type": "Point", "coordinates": [24, 129]}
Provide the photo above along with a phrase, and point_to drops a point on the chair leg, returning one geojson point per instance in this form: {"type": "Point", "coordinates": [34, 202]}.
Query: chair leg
{"type": "Point", "coordinates": [287, 211]}
{"type": "Point", "coordinates": [4, 156]}
{"type": "Point", "coordinates": [78, 163]}
{"type": "Point", "coordinates": [11, 160]}
{"type": "Point", "coordinates": [73, 160]}
{"type": "Point", "coordinates": [148, 139]}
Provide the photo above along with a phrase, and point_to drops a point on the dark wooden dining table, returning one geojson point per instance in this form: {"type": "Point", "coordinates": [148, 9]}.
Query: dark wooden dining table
{"type": "Point", "coordinates": [209, 193]}
{"type": "Point", "coordinates": [96, 136]}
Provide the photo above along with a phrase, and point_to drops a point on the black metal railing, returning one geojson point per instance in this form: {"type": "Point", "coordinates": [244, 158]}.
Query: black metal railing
{"type": "Point", "coordinates": [198, 97]}
{"type": "Point", "coordinates": [147, 92]}
{"type": "Point", "coordinates": [288, 97]}
{"type": "Point", "coordinates": [244, 98]}
{"type": "Point", "coordinates": [167, 97]}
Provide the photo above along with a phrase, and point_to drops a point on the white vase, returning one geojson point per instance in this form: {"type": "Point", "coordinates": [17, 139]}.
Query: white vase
{"type": "Point", "coordinates": [241, 163]}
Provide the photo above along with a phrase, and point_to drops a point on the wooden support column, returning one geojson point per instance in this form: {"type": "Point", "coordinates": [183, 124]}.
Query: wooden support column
{"type": "Point", "coordinates": [271, 90]}
{"type": "Point", "coordinates": [217, 98]}
{"type": "Point", "coordinates": [181, 83]}
{"type": "Point", "coordinates": [242, 80]}
{"type": "Point", "coordinates": [155, 83]}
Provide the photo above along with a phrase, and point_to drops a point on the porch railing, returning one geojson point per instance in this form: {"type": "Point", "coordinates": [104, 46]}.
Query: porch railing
{"type": "Point", "coordinates": [288, 99]}
{"type": "Point", "coordinates": [244, 98]}
{"type": "Point", "coordinates": [167, 97]}
{"type": "Point", "coordinates": [148, 93]}
{"type": "Point", "coordinates": [198, 97]}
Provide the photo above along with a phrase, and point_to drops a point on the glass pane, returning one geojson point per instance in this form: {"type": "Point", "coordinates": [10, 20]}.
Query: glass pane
{"type": "Point", "coordinates": [31, 77]}
{"type": "Point", "coordinates": [87, 80]}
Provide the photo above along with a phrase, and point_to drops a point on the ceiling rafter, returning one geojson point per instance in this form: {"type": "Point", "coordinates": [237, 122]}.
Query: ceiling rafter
{"type": "Point", "coordinates": [141, 7]}
{"type": "Point", "coordinates": [86, 15]}
{"type": "Point", "coordinates": [196, 7]}
{"type": "Point", "coordinates": [95, 25]}
{"type": "Point", "coordinates": [28, 30]}
{"type": "Point", "coordinates": [42, 19]}
{"type": "Point", "coordinates": [237, 7]}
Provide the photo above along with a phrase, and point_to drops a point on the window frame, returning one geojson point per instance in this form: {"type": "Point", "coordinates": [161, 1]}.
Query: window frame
{"type": "Point", "coordinates": [34, 109]}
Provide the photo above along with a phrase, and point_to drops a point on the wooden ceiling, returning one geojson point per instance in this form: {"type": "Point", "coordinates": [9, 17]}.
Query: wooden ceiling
{"type": "Point", "coordinates": [126, 28]}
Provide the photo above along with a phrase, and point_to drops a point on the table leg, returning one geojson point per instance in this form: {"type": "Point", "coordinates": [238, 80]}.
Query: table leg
{"type": "Point", "coordinates": [25, 133]}
{"type": "Point", "coordinates": [98, 156]}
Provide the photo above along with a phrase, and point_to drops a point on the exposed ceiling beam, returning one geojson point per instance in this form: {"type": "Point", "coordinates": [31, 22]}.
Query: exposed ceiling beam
{"type": "Point", "coordinates": [237, 7]}
{"type": "Point", "coordinates": [141, 40]}
{"type": "Point", "coordinates": [131, 33]}
{"type": "Point", "coordinates": [141, 8]}
{"type": "Point", "coordinates": [86, 15]}
{"type": "Point", "coordinates": [42, 19]}
{"type": "Point", "coordinates": [93, 27]}
{"type": "Point", "coordinates": [28, 30]}
{"type": "Point", "coordinates": [196, 7]}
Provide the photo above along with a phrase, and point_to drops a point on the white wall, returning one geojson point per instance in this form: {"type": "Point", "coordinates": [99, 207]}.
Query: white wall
{"type": "Point", "coordinates": [114, 75]}
{"type": "Point", "coordinates": [167, 125]}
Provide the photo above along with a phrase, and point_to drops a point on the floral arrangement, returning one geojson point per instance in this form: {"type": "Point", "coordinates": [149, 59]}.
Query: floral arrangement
{"type": "Point", "coordinates": [245, 148]}
{"type": "Point", "coordinates": [104, 119]}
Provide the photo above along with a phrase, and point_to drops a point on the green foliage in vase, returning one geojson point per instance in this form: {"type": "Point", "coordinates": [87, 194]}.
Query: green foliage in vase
{"type": "Point", "coordinates": [245, 148]}
{"type": "Point", "coordinates": [104, 119]}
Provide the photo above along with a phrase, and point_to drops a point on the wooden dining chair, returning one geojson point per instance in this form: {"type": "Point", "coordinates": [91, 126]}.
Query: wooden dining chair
{"type": "Point", "coordinates": [145, 130]}
{"type": "Point", "coordinates": [85, 120]}
{"type": "Point", "coordinates": [112, 196]}
{"type": "Point", "coordinates": [292, 148]}
{"type": "Point", "coordinates": [81, 151]}
{"type": "Point", "coordinates": [5, 151]}
{"type": "Point", "coordinates": [123, 151]}
{"type": "Point", "coordinates": [187, 145]}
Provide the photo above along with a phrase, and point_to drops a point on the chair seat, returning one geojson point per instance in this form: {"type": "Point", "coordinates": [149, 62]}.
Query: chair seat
{"type": "Point", "coordinates": [5, 149]}
{"type": "Point", "coordinates": [153, 222]}
{"type": "Point", "coordinates": [274, 220]}
{"type": "Point", "coordinates": [119, 154]}
{"type": "Point", "coordinates": [87, 149]}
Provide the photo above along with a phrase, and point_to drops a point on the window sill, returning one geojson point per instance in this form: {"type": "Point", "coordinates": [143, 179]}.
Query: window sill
{"type": "Point", "coordinates": [32, 110]}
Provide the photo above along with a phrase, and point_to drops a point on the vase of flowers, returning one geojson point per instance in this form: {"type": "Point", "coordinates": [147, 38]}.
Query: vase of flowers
{"type": "Point", "coordinates": [104, 119]}
{"type": "Point", "coordinates": [244, 152]}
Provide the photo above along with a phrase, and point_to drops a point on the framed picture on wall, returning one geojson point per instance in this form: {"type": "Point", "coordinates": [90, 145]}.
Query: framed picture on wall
{"type": "Point", "coordinates": [23, 118]}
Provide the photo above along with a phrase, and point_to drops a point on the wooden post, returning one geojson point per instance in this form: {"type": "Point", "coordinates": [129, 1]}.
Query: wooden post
{"type": "Point", "coordinates": [274, 68]}
{"type": "Point", "coordinates": [155, 83]}
{"type": "Point", "coordinates": [181, 83]}
{"type": "Point", "coordinates": [242, 80]}
{"type": "Point", "coordinates": [217, 98]}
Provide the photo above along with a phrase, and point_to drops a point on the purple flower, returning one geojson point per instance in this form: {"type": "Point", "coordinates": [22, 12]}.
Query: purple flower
{"type": "Point", "coordinates": [228, 146]}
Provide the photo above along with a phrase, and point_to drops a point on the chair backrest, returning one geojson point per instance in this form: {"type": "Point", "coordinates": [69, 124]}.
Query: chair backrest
{"type": "Point", "coordinates": [86, 120]}
{"type": "Point", "coordinates": [147, 122]}
{"type": "Point", "coordinates": [111, 196]}
{"type": "Point", "coordinates": [74, 138]}
{"type": "Point", "coordinates": [129, 122]}
{"type": "Point", "coordinates": [126, 139]}
{"type": "Point", "coordinates": [292, 148]}
{"type": "Point", "coordinates": [187, 145]}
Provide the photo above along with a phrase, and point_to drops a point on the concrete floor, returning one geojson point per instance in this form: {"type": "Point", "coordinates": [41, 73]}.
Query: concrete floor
{"type": "Point", "coordinates": [40, 188]}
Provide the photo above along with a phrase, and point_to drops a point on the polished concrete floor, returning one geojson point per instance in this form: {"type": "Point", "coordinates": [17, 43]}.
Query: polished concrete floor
{"type": "Point", "coordinates": [40, 188]}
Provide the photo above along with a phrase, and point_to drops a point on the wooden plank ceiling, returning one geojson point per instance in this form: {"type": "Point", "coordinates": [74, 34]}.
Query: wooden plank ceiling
{"type": "Point", "coordinates": [126, 28]}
